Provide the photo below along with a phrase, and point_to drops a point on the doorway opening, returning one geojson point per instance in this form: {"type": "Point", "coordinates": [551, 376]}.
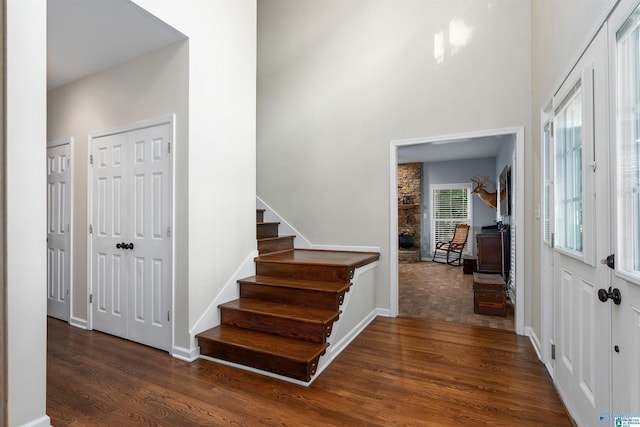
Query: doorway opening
{"type": "Point", "coordinates": [448, 153]}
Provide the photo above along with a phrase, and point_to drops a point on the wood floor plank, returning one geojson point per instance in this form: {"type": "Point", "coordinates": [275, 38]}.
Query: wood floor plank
{"type": "Point", "coordinates": [397, 372]}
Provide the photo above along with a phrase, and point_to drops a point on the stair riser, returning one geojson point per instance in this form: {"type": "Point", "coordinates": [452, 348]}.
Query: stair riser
{"type": "Point", "coordinates": [256, 359]}
{"type": "Point", "coordinates": [305, 272]}
{"type": "Point", "coordinates": [290, 328]}
{"type": "Point", "coordinates": [259, 215]}
{"type": "Point", "coordinates": [313, 299]}
{"type": "Point", "coordinates": [267, 230]}
{"type": "Point", "coordinates": [268, 246]}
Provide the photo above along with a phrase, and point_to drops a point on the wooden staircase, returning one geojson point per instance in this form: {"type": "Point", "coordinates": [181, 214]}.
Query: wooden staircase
{"type": "Point", "coordinates": [285, 312]}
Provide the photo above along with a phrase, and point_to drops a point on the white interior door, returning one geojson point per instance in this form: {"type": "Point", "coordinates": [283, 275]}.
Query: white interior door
{"type": "Point", "coordinates": [625, 193]}
{"type": "Point", "coordinates": [110, 228]}
{"type": "Point", "coordinates": [582, 236]}
{"type": "Point", "coordinates": [131, 239]}
{"type": "Point", "coordinates": [58, 230]}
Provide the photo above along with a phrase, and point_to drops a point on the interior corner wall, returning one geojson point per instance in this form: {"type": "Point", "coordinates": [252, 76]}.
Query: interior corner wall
{"type": "Point", "coordinates": [555, 47]}
{"type": "Point", "coordinates": [222, 138]}
{"type": "Point", "coordinates": [147, 87]}
{"type": "Point", "coordinates": [338, 81]}
{"type": "Point", "coordinates": [26, 264]}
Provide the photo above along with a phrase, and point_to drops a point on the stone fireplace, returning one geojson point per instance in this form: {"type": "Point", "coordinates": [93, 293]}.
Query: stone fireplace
{"type": "Point", "coordinates": [409, 209]}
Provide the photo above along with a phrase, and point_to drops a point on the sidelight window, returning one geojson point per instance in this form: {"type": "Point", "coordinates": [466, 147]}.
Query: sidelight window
{"type": "Point", "coordinates": [628, 145]}
{"type": "Point", "coordinates": [568, 163]}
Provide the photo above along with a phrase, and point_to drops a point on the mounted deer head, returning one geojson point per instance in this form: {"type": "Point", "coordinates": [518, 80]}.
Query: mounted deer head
{"type": "Point", "coordinates": [489, 198]}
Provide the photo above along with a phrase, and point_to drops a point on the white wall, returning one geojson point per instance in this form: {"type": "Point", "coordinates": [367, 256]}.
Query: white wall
{"type": "Point", "coordinates": [147, 87]}
{"type": "Point", "coordinates": [337, 81]}
{"type": "Point", "coordinates": [560, 31]}
{"type": "Point", "coordinates": [222, 153]}
{"type": "Point", "coordinates": [26, 211]}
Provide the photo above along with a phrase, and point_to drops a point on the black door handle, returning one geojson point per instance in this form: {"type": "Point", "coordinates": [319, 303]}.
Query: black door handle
{"type": "Point", "coordinates": [122, 245]}
{"type": "Point", "coordinates": [130, 246]}
{"type": "Point", "coordinates": [613, 294]}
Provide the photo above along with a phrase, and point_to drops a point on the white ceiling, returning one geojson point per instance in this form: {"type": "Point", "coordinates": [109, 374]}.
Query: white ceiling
{"type": "Point", "coordinates": [89, 36]}
{"type": "Point", "coordinates": [474, 148]}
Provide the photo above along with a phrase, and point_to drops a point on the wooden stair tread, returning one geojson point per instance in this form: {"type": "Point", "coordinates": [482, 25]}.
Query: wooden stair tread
{"type": "Point", "coordinates": [266, 239]}
{"type": "Point", "coordinates": [294, 312]}
{"type": "Point", "coordinates": [284, 282]}
{"type": "Point", "coordinates": [267, 223]}
{"type": "Point", "coordinates": [320, 257]}
{"type": "Point", "coordinates": [298, 350]}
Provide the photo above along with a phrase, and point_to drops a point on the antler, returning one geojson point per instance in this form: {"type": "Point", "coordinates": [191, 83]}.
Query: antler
{"type": "Point", "coordinates": [480, 180]}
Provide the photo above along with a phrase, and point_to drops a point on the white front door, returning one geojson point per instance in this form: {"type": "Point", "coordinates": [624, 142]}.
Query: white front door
{"type": "Point", "coordinates": [582, 236]}
{"type": "Point", "coordinates": [547, 253]}
{"type": "Point", "coordinates": [624, 39]}
{"type": "Point", "coordinates": [131, 238]}
{"type": "Point", "coordinates": [58, 230]}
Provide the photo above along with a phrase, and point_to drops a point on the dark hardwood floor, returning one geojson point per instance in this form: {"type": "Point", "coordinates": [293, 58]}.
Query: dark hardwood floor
{"type": "Point", "coordinates": [397, 372]}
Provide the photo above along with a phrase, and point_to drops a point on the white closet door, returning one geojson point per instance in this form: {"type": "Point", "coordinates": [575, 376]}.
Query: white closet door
{"type": "Point", "coordinates": [149, 219]}
{"type": "Point", "coordinates": [58, 231]}
{"type": "Point", "coordinates": [131, 235]}
{"type": "Point", "coordinates": [110, 270]}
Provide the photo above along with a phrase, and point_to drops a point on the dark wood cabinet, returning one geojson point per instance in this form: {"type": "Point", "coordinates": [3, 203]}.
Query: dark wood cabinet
{"type": "Point", "coordinates": [493, 247]}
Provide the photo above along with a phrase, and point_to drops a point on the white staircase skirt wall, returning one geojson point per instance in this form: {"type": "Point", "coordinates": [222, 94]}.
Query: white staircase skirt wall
{"type": "Point", "coordinates": [211, 317]}
{"type": "Point", "coordinates": [284, 229]}
{"type": "Point", "coordinates": [358, 310]}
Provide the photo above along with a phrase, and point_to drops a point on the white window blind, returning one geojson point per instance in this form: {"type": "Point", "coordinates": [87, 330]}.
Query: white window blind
{"type": "Point", "coordinates": [450, 206]}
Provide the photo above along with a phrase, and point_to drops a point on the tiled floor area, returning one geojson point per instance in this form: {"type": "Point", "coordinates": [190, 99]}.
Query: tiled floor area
{"type": "Point", "coordinates": [435, 291]}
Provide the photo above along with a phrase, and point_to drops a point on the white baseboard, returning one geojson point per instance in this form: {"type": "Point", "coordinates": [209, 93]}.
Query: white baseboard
{"type": "Point", "coordinates": [78, 323]}
{"type": "Point", "coordinates": [535, 342]}
{"type": "Point", "coordinates": [346, 248]}
{"type": "Point", "coordinates": [188, 355]}
{"type": "Point", "coordinates": [338, 347]}
{"type": "Point", "coordinates": [230, 291]}
{"type": "Point", "coordinates": [43, 421]}
{"type": "Point", "coordinates": [383, 312]}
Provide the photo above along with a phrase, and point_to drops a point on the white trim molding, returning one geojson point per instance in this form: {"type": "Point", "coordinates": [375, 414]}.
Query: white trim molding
{"type": "Point", "coordinates": [517, 224]}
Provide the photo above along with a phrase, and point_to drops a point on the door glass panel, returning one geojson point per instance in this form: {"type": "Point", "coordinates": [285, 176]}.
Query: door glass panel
{"type": "Point", "coordinates": [568, 162]}
{"type": "Point", "coordinates": [628, 146]}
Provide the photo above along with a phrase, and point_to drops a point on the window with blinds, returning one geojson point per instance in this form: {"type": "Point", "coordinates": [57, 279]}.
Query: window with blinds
{"type": "Point", "coordinates": [450, 206]}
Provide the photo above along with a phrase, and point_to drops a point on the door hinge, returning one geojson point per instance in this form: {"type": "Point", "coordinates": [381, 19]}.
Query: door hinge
{"type": "Point", "coordinates": [90, 229]}
{"type": "Point", "coordinates": [68, 162]}
{"type": "Point", "coordinates": [594, 166]}
{"type": "Point", "coordinates": [90, 298]}
{"type": "Point", "coordinates": [553, 352]}
{"type": "Point", "coordinates": [169, 316]}
{"type": "Point", "coordinates": [169, 148]}
{"type": "Point", "coordinates": [91, 159]}
{"type": "Point", "coordinates": [168, 231]}
{"type": "Point", "coordinates": [553, 240]}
